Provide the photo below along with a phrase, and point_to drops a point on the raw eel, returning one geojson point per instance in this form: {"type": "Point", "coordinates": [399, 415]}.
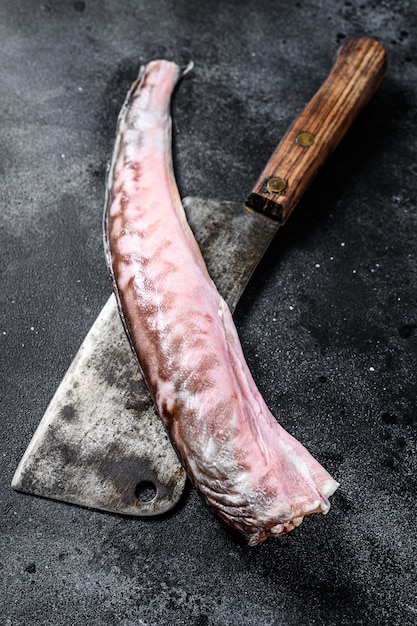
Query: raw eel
{"type": "Point", "coordinates": [253, 474]}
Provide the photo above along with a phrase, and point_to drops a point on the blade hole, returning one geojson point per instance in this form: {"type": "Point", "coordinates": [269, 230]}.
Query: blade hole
{"type": "Point", "coordinates": [145, 491]}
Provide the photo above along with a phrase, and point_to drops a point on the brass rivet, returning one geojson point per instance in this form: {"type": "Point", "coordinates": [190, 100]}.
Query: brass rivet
{"type": "Point", "coordinates": [276, 184]}
{"type": "Point", "coordinates": [305, 139]}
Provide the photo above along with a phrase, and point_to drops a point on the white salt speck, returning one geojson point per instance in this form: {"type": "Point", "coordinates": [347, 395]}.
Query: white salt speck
{"type": "Point", "coordinates": [398, 299]}
{"type": "Point", "coordinates": [32, 328]}
{"type": "Point", "coordinates": [353, 271]}
{"type": "Point", "coordinates": [80, 88]}
{"type": "Point", "coordinates": [62, 156]}
{"type": "Point", "coordinates": [274, 319]}
{"type": "Point", "coordinates": [371, 369]}
{"type": "Point", "coordinates": [4, 332]}
{"type": "Point", "coordinates": [343, 244]}
{"type": "Point", "coordinates": [317, 265]}
{"type": "Point", "coordinates": [291, 308]}
{"type": "Point", "coordinates": [332, 258]}
{"type": "Point", "coordinates": [372, 269]}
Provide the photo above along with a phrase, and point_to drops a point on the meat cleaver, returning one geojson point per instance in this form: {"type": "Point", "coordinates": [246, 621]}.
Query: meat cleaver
{"type": "Point", "coordinates": [100, 443]}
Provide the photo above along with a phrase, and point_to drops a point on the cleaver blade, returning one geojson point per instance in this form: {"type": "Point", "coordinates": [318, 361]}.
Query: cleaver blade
{"type": "Point", "coordinates": [100, 443]}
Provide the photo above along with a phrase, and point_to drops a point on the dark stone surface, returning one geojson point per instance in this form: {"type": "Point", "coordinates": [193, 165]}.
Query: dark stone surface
{"type": "Point", "coordinates": [328, 323]}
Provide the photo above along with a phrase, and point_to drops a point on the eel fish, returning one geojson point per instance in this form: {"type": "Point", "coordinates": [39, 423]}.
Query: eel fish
{"type": "Point", "coordinates": [254, 475]}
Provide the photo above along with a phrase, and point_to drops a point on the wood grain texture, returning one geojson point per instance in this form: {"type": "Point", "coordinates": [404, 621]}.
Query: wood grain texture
{"type": "Point", "coordinates": [356, 74]}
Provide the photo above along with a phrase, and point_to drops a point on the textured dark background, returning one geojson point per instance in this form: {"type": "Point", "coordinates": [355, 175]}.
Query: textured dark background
{"type": "Point", "coordinates": [328, 323]}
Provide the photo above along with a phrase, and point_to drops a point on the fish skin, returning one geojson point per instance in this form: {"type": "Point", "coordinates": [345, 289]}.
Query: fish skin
{"type": "Point", "coordinates": [253, 474]}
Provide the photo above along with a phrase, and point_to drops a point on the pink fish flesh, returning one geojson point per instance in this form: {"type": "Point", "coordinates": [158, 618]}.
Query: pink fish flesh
{"type": "Point", "coordinates": [253, 474]}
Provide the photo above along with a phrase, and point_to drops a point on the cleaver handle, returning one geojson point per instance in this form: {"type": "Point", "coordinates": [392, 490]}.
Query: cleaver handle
{"type": "Point", "coordinates": [358, 71]}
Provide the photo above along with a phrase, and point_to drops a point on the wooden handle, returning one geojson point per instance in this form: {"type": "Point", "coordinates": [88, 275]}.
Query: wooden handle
{"type": "Point", "coordinates": [356, 74]}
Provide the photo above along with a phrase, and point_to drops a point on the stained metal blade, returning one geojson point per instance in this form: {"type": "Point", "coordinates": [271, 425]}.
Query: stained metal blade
{"type": "Point", "coordinates": [101, 443]}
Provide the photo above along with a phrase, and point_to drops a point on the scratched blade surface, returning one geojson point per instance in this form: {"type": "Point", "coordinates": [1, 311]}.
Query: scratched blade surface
{"type": "Point", "coordinates": [232, 241]}
{"type": "Point", "coordinates": [101, 443]}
